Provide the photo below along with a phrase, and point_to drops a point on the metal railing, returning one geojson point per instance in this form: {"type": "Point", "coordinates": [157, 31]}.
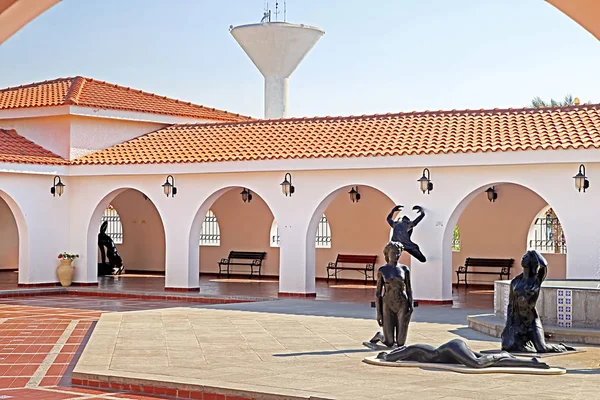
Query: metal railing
{"type": "Point", "coordinates": [322, 238]}
{"type": "Point", "coordinates": [548, 236]}
{"type": "Point", "coordinates": [210, 234]}
{"type": "Point", "coordinates": [115, 227]}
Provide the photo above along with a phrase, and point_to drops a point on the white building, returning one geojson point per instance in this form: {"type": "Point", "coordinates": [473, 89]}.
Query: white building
{"type": "Point", "coordinates": [116, 146]}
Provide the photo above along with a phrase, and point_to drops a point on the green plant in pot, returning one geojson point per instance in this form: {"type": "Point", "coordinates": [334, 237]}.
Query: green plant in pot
{"type": "Point", "coordinates": [66, 270]}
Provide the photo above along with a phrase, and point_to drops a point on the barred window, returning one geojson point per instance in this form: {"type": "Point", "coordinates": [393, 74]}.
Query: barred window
{"type": "Point", "coordinates": [456, 239]}
{"type": "Point", "coordinates": [546, 234]}
{"type": "Point", "coordinates": [322, 237]}
{"type": "Point", "coordinates": [114, 228]}
{"type": "Point", "coordinates": [210, 234]}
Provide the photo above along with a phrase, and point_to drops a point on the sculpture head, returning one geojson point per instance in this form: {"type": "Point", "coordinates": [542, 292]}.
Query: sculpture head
{"type": "Point", "coordinates": [405, 219]}
{"type": "Point", "coordinates": [531, 262]}
{"type": "Point", "coordinates": [103, 227]}
{"type": "Point", "coordinates": [392, 252]}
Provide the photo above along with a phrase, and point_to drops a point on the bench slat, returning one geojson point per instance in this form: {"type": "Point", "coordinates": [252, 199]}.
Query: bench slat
{"type": "Point", "coordinates": [356, 259]}
{"type": "Point", "coordinates": [503, 266]}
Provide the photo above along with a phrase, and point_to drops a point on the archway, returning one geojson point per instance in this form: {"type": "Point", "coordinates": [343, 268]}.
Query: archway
{"type": "Point", "coordinates": [498, 229]}
{"type": "Point", "coordinates": [226, 223]}
{"type": "Point", "coordinates": [357, 227]}
{"type": "Point", "coordinates": [136, 227]}
{"type": "Point", "coordinates": [14, 243]}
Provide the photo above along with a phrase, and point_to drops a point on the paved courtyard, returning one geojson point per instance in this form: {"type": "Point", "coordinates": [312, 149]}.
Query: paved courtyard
{"type": "Point", "coordinates": [304, 349]}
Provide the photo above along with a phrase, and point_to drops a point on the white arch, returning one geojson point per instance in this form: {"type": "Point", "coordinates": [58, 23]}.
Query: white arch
{"type": "Point", "coordinates": [319, 211]}
{"type": "Point", "coordinates": [22, 231]}
{"type": "Point", "coordinates": [196, 226]}
{"type": "Point", "coordinates": [453, 220]}
{"type": "Point", "coordinates": [95, 222]}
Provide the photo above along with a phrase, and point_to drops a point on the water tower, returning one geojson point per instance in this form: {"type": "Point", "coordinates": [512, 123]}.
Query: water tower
{"type": "Point", "coordinates": [276, 48]}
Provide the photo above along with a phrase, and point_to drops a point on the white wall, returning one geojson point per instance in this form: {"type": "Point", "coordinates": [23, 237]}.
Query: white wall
{"type": "Point", "coordinates": [42, 221]}
{"type": "Point", "coordinates": [52, 133]}
{"type": "Point", "coordinates": [89, 134]}
{"type": "Point", "coordinates": [86, 198]}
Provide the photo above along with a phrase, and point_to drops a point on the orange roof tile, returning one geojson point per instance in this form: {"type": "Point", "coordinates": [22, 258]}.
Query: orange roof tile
{"type": "Point", "coordinates": [364, 136]}
{"type": "Point", "coordinates": [88, 92]}
{"type": "Point", "coordinates": [14, 148]}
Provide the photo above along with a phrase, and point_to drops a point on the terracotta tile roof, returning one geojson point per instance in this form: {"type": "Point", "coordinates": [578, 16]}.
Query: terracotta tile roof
{"type": "Point", "coordinates": [14, 148]}
{"type": "Point", "coordinates": [88, 92]}
{"type": "Point", "coordinates": [411, 133]}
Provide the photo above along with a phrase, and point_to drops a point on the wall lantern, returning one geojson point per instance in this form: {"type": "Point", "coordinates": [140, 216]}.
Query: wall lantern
{"type": "Point", "coordinates": [491, 194]}
{"type": "Point", "coordinates": [58, 188]}
{"type": "Point", "coordinates": [425, 181]}
{"type": "Point", "coordinates": [246, 195]}
{"type": "Point", "coordinates": [286, 186]}
{"type": "Point", "coordinates": [581, 181]}
{"type": "Point", "coordinates": [169, 187]}
{"type": "Point", "coordinates": [354, 195]}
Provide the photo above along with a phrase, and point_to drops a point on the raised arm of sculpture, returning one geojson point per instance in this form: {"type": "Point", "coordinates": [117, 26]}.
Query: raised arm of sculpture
{"type": "Point", "coordinates": [421, 213]}
{"type": "Point", "coordinates": [390, 217]}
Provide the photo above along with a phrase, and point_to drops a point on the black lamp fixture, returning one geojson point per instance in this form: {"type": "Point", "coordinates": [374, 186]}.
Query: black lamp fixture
{"type": "Point", "coordinates": [491, 194]}
{"type": "Point", "coordinates": [246, 195]}
{"type": "Point", "coordinates": [169, 187]}
{"type": "Point", "coordinates": [425, 181]}
{"type": "Point", "coordinates": [58, 188]}
{"type": "Point", "coordinates": [286, 186]}
{"type": "Point", "coordinates": [581, 181]}
{"type": "Point", "coordinates": [354, 195]}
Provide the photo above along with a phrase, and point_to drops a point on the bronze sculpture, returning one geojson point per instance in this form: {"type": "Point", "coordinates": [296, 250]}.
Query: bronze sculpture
{"type": "Point", "coordinates": [114, 265]}
{"type": "Point", "coordinates": [394, 299]}
{"type": "Point", "coordinates": [523, 331]}
{"type": "Point", "coordinates": [457, 351]}
{"type": "Point", "coordinates": [403, 231]}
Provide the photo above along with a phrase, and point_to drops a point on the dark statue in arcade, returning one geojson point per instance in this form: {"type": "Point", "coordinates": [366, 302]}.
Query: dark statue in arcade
{"type": "Point", "coordinates": [403, 231]}
{"type": "Point", "coordinates": [523, 332]}
{"type": "Point", "coordinates": [394, 301]}
{"type": "Point", "coordinates": [114, 266]}
{"type": "Point", "coordinates": [457, 351]}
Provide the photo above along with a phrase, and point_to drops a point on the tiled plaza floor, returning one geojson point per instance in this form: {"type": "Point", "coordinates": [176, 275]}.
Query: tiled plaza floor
{"type": "Point", "coordinates": [40, 342]}
{"type": "Point", "coordinates": [292, 353]}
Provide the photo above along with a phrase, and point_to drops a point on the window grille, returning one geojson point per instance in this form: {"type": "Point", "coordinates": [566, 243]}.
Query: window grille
{"type": "Point", "coordinates": [115, 227]}
{"type": "Point", "coordinates": [210, 234]}
{"type": "Point", "coordinates": [322, 238]}
{"type": "Point", "coordinates": [456, 239]}
{"type": "Point", "coordinates": [547, 235]}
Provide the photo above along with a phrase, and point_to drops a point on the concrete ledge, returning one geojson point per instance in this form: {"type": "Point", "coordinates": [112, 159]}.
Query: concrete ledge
{"type": "Point", "coordinates": [493, 325]}
{"type": "Point", "coordinates": [297, 295]}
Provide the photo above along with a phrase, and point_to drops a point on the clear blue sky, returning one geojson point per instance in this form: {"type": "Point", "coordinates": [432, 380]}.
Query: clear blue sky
{"type": "Point", "coordinates": [375, 57]}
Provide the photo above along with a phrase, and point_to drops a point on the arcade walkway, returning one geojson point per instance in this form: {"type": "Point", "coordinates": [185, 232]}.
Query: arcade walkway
{"type": "Point", "coordinates": [263, 288]}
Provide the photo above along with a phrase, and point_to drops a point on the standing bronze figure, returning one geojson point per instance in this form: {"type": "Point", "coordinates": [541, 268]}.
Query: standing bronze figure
{"type": "Point", "coordinates": [403, 230]}
{"type": "Point", "coordinates": [523, 331]}
{"type": "Point", "coordinates": [114, 265]}
{"type": "Point", "coordinates": [394, 299]}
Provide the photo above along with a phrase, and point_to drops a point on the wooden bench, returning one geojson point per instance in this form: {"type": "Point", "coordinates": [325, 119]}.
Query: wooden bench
{"type": "Point", "coordinates": [368, 261]}
{"type": "Point", "coordinates": [252, 259]}
{"type": "Point", "coordinates": [501, 265]}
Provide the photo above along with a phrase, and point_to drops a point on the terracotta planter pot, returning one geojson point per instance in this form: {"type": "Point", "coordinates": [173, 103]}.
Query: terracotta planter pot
{"type": "Point", "coordinates": [65, 272]}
